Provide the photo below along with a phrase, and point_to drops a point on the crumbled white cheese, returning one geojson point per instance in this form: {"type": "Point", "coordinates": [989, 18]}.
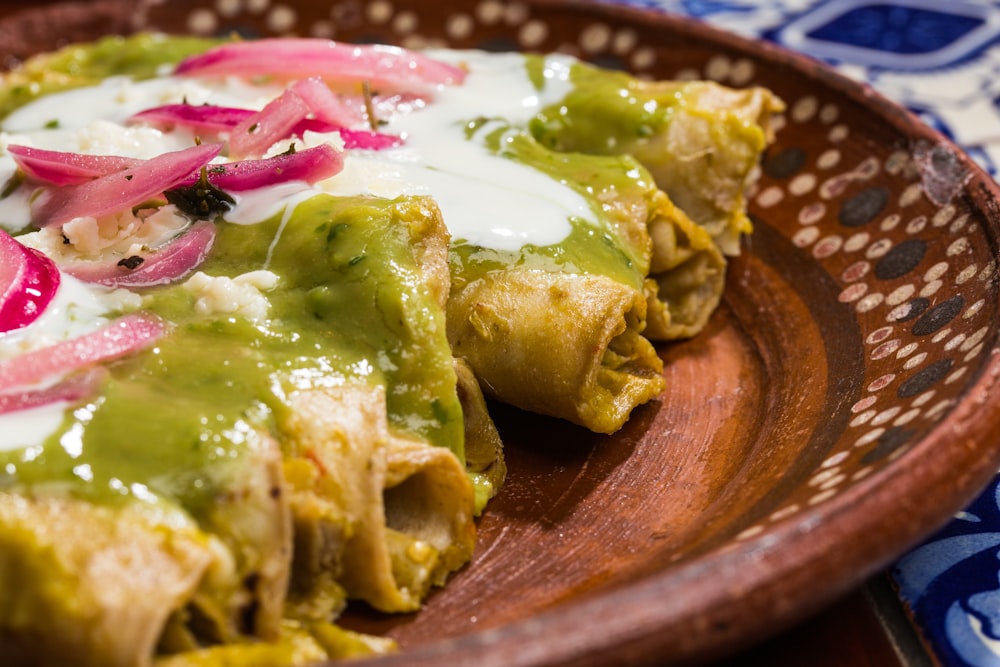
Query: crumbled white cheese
{"type": "Point", "coordinates": [242, 295]}
{"type": "Point", "coordinates": [120, 235]}
{"type": "Point", "coordinates": [229, 91]}
{"type": "Point", "coordinates": [103, 137]}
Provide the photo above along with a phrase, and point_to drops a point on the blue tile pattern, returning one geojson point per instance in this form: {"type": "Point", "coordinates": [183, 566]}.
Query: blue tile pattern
{"type": "Point", "coordinates": [942, 61]}
{"type": "Point", "coordinates": [951, 583]}
{"type": "Point", "coordinates": [916, 36]}
{"type": "Point", "coordinates": [892, 29]}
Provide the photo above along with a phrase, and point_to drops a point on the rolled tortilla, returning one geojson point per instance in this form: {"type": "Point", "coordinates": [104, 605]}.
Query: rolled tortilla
{"type": "Point", "coordinates": [112, 585]}
{"type": "Point", "coordinates": [484, 457]}
{"type": "Point", "coordinates": [299, 644]}
{"type": "Point", "coordinates": [562, 344]}
{"type": "Point", "coordinates": [701, 140]}
{"type": "Point", "coordinates": [90, 585]}
{"type": "Point", "coordinates": [390, 516]}
{"type": "Point", "coordinates": [274, 451]}
{"type": "Point", "coordinates": [687, 274]}
{"type": "Point", "coordinates": [563, 330]}
{"type": "Point", "coordinates": [383, 276]}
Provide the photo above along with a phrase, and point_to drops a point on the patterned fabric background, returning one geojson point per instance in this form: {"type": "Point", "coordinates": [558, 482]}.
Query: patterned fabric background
{"type": "Point", "coordinates": [942, 61]}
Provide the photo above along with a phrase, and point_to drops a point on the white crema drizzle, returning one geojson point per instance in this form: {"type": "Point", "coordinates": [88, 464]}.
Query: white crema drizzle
{"type": "Point", "coordinates": [487, 200]}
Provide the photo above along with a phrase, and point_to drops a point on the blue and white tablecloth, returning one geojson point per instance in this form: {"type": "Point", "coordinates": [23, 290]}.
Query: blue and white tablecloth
{"type": "Point", "coordinates": [942, 60]}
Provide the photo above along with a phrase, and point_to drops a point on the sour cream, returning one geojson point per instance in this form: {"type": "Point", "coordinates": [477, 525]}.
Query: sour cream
{"type": "Point", "coordinates": [486, 200]}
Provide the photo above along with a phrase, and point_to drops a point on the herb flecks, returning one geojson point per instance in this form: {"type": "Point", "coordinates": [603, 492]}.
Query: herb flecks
{"type": "Point", "coordinates": [369, 98]}
{"type": "Point", "coordinates": [202, 200]}
{"type": "Point", "coordinates": [131, 263]}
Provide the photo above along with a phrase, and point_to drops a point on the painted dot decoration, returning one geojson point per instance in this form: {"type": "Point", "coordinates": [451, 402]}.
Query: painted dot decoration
{"type": "Point", "coordinates": [785, 164]}
{"type": "Point", "coordinates": [595, 38]}
{"type": "Point", "coordinates": [913, 287]}
{"type": "Point", "coordinates": [770, 197]}
{"type": "Point", "coordinates": [853, 293]}
{"type": "Point", "coordinates": [855, 271]}
{"type": "Point", "coordinates": [900, 295]}
{"type": "Point", "coordinates": [863, 207]}
{"type": "Point", "coordinates": [802, 184]}
{"type": "Point", "coordinates": [460, 26]}
{"type": "Point", "coordinates": [901, 259]}
{"type": "Point", "coordinates": [227, 8]}
{"type": "Point", "coordinates": [829, 159]}
{"type": "Point", "coordinates": [870, 302]}
{"type": "Point", "coordinates": [938, 316]}
{"type": "Point", "coordinates": [838, 134]}
{"type": "Point", "coordinates": [806, 237]}
{"type": "Point", "coordinates": [885, 349]}
{"type": "Point", "coordinates": [857, 242]}
{"type": "Point", "coordinates": [202, 22]}
{"type": "Point", "coordinates": [533, 34]}
{"type": "Point", "coordinates": [812, 213]}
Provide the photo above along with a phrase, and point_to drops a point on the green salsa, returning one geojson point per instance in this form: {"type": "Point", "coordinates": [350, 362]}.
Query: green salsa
{"type": "Point", "coordinates": [598, 246]}
{"type": "Point", "coordinates": [139, 56]}
{"type": "Point", "coordinates": [350, 305]}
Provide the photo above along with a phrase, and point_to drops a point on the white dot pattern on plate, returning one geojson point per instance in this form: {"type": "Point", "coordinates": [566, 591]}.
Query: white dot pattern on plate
{"type": "Point", "coordinates": [202, 22]}
{"type": "Point", "coordinates": [920, 336]}
{"type": "Point", "coordinates": [459, 26]}
{"type": "Point", "coordinates": [855, 271]}
{"type": "Point", "coordinates": [857, 242]}
{"type": "Point", "coordinates": [595, 38]}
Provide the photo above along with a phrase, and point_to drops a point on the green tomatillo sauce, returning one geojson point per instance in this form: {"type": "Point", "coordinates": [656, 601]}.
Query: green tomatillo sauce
{"type": "Point", "coordinates": [350, 305]}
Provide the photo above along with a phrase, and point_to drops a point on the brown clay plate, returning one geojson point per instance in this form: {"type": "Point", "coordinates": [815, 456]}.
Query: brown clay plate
{"type": "Point", "coordinates": [841, 405]}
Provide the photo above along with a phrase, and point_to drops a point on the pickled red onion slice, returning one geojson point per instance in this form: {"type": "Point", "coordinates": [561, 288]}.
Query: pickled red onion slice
{"type": "Point", "coordinates": [309, 165]}
{"type": "Point", "coordinates": [291, 114]}
{"type": "Point", "coordinates": [363, 139]}
{"type": "Point", "coordinates": [353, 139]}
{"type": "Point", "coordinates": [325, 105]}
{"type": "Point", "coordinates": [121, 189]}
{"type": "Point", "coordinates": [255, 134]}
{"type": "Point", "coordinates": [223, 119]}
{"type": "Point", "coordinates": [162, 266]}
{"type": "Point", "coordinates": [74, 388]}
{"type": "Point", "coordinates": [63, 168]}
{"type": "Point", "coordinates": [298, 57]}
{"type": "Point", "coordinates": [126, 335]}
{"type": "Point", "coordinates": [28, 282]}
{"type": "Point", "coordinates": [201, 117]}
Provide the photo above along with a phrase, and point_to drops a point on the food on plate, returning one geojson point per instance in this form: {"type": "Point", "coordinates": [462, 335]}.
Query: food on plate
{"type": "Point", "coordinates": [701, 141]}
{"type": "Point", "coordinates": [257, 295]}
